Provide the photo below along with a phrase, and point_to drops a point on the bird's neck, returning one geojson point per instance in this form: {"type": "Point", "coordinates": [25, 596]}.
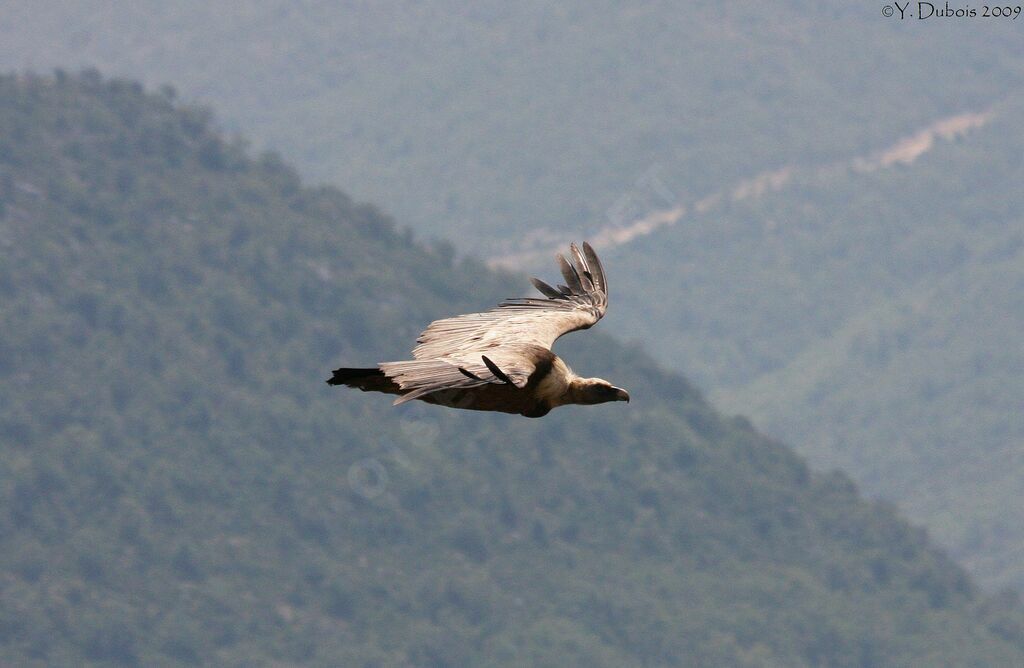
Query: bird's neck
{"type": "Point", "coordinates": [558, 387]}
{"type": "Point", "coordinates": [582, 391]}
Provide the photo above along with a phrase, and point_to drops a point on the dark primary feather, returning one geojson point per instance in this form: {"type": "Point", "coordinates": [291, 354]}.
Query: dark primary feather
{"type": "Point", "coordinates": [583, 269]}
{"type": "Point", "coordinates": [595, 268]}
{"type": "Point", "coordinates": [546, 289]}
{"type": "Point", "coordinates": [469, 374]}
{"type": "Point", "coordinates": [572, 277]}
{"type": "Point", "coordinates": [498, 373]}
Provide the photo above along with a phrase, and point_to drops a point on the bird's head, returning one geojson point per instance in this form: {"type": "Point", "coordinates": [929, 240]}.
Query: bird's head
{"type": "Point", "coordinates": [589, 391]}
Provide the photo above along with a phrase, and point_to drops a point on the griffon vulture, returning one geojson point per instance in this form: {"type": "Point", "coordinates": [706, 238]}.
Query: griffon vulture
{"type": "Point", "coordinates": [501, 359]}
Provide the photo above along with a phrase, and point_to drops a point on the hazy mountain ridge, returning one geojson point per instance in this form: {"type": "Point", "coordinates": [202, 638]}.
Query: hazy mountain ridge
{"type": "Point", "coordinates": [902, 370]}
{"type": "Point", "coordinates": [905, 151]}
{"type": "Point", "coordinates": [181, 486]}
{"type": "Point", "coordinates": [474, 121]}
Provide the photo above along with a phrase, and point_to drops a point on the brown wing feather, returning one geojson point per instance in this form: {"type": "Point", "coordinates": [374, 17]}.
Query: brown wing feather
{"type": "Point", "coordinates": [511, 365]}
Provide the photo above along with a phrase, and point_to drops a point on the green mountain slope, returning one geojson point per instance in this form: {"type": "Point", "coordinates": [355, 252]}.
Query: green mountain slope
{"type": "Point", "coordinates": [180, 486]}
{"type": "Point", "coordinates": [812, 308]}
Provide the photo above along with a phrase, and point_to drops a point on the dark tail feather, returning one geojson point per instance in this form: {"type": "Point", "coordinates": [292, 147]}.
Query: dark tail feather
{"type": "Point", "coordinates": [367, 380]}
{"type": "Point", "coordinates": [346, 376]}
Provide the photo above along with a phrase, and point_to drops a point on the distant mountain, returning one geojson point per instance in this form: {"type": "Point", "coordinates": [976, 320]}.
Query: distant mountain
{"type": "Point", "coordinates": [180, 486]}
{"type": "Point", "coordinates": [495, 121]}
{"type": "Point", "coordinates": [871, 317]}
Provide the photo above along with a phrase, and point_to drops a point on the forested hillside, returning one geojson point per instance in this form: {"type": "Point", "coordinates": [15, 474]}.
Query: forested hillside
{"type": "Point", "coordinates": [179, 485]}
{"type": "Point", "coordinates": [874, 318]}
{"type": "Point", "coordinates": [868, 318]}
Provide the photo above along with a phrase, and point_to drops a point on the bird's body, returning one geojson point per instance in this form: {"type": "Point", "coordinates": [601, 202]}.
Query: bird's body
{"type": "Point", "coordinates": [501, 360]}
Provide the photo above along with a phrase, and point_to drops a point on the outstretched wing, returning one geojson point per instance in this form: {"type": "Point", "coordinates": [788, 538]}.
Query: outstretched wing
{"type": "Point", "coordinates": [510, 365]}
{"type": "Point", "coordinates": [578, 304]}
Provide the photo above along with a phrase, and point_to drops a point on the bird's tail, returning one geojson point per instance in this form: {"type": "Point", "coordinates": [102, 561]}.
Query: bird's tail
{"type": "Point", "coordinates": [367, 380]}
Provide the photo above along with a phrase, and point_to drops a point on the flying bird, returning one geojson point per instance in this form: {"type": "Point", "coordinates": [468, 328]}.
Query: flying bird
{"type": "Point", "coordinates": [501, 359]}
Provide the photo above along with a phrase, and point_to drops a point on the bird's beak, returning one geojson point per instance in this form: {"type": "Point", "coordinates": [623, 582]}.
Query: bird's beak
{"type": "Point", "coordinates": [621, 395]}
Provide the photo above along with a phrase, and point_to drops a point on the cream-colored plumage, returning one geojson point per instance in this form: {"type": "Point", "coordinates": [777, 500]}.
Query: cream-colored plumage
{"type": "Point", "coordinates": [501, 359]}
